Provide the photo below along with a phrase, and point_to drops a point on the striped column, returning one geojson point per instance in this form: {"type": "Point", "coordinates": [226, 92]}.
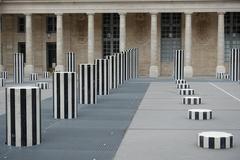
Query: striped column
{"type": "Point", "coordinates": [192, 100]}
{"type": "Point", "coordinates": [4, 74]}
{"type": "Point", "coordinates": [42, 85]}
{"type": "Point", "coordinates": [186, 91]}
{"type": "Point", "coordinates": [127, 64]}
{"type": "Point", "coordinates": [71, 62]}
{"type": "Point", "coordinates": [120, 68]}
{"type": "Point", "coordinates": [200, 114]}
{"type": "Point", "coordinates": [33, 77]}
{"type": "Point", "coordinates": [45, 74]}
{"type": "Point", "coordinates": [2, 82]}
{"type": "Point", "coordinates": [215, 140]}
{"type": "Point", "coordinates": [23, 116]}
{"type": "Point", "coordinates": [180, 81]}
{"type": "Point", "coordinates": [183, 86]}
{"type": "Point", "coordinates": [64, 95]}
{"type": "Point", "coordinates": [87, 84]}
{"type": "Point", "coordinates": [222, 75]}
{"type": "Point", "coordinates": [18, 71]}
{"type": "Point", "coordinates": [178, 65]}
{"type": "Point", "coordinates": [135, 63]}
{"type": "Point", "coordinates": [235, 65]}
{"type": "Point", "coordinates": [102, 76]}
{"type": "Point", "coordinates": [113, 71]}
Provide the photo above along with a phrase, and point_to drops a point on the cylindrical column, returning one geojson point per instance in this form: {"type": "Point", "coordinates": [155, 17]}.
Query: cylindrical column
{"type": "Point", "coordinates": [188, 70]}
{"type": "Point", "coordinates": [90, 38]}
{"type": "Point", "coordinates": [2, 82]}
{"type": "Point", "coordinates": [60, 66]}
{"type": "Point", "coordinates": [87, 84]}
{"type": "Point", "coordinates": [42, 85]}
{"type": "Point", "coordinates": [64, 95]}
{"type": "Point", "coordinates": [33, 76]}
{"type": "Point", "coordinates": [220, 44]}
{"type": "Point", "coordinates": [112, 71]}
{"type": "Point", "coordinates": [178, 65]}
{"type": "Point", "coordinates": [102, 76]}
{"type": "Point", "coordinates": [154, 68]}
{"type": "Point", "coordinates": [4, 74]}
{"type": "Point", "coordinates": [122, 28]}
{"type": "Point", "coordinates": [18, 71]}
{"type": "Point", "coordinates": [235, 65]}
{"type": "Point", "coordinates": [1, 61]}
{"type": "Point", "coordinates": [45, 74]}
{"type": "Point", "coordinates": [71, 62]}
{"type": "Point", "coordinates": [23, 116]}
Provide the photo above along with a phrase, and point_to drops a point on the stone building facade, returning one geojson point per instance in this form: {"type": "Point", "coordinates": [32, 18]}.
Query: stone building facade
{"type": "Point", "coordinates": [46, 29]}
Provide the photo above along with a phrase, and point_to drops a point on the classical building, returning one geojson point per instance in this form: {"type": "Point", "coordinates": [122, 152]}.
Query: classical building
{"type": "Point", "coordinates": [44, 30]}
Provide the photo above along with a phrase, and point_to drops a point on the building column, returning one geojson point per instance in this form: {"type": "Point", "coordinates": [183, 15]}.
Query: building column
{"type": "Point", "coordinates": [60, 56]}
{"type": "Point", "coordinates": [220, 44]}
{"type": "Point", "coordinates": [29, 67]}
{"type": "Point", "coordinates": [90, 38]}
{"type": "Point", "coordinates": [188, 70]}
{"type": "Point", "coordinates": [122, 45]}
{"type": "Point", "coordinates": [154, 67]}
{"type": "Point", "coordinates": [1, 55]}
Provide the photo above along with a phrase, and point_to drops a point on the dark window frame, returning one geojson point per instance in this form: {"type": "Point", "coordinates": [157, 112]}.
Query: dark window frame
{"type": "Point", "coordinates": [51, 24]}
{"type": "Point", "coordinates": [21, 24]}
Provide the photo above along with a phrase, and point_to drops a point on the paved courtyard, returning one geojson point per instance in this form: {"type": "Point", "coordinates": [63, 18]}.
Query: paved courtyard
{"type": "Point", "coordinates": [142, 120]}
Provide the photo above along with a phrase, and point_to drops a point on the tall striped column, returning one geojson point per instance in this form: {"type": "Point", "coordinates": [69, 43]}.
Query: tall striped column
{"type": "Point", "coordinates": [87, 84]}
{"type": "Point", "coordinates": [113, 71]}
{"type": "Point", "coordinates": [64, 95]}
{"type": "Point", "coordinates": [178, 65]}
{"type": "Point", "coordinates": [127, 64]}
{"type": "Point", "coordinates": [135, 63]}
{"type": "Point", "coordinates": [102, 76]}
{"type": "Point", "coordinates": [235, 65]}
{"type": "Point", "coordinates": [71, 62]}
{"type": "Point", "coordinates": [120, 68]}
{"type": "Point", "coordinates": [23, 116]}
{"type": "Point", "coordinates": [18, 71]}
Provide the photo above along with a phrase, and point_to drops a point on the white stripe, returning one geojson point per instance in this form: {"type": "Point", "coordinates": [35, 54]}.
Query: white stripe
{"type": "Point", "coordinates": [17, 117]}
{"type": "Point", "coordinates": [29, 116]}
{"type": "Point", "coordinates": [70, 88]}
{"type": "Point", "coordinates": [55, 95]}
{"type": "Point", "coordinates": [8, 117]}
{"type": "Point", "coordinates": [62, 95]}
{"type": "Point", "coordinates": [38, 114]}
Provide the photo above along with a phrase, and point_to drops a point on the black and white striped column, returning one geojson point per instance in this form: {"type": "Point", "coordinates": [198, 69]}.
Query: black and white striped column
{"type": "Point", "coordinates": [113, 71]}
{"type": "Point", "coordinates": [46, 75]}
{"type": "Point", "coordinates": [102, 76]}
{"type": "Point", "coordinates": [222, 75]}
{"type": "Point", "coordinates": [33, 76]}
{"type": "Point", "coordinates": [215, 140]}
{"type": "Point", "coordinates": [135, 63]}
{"type": "Point", "coordinates": [183, 86]}
{"type": "Point", "coordinates": [4, 74]}
{"type": "Point", "coordinates": [18, 72]}
{"type": "Point", "coordinates": [87, 84]}
{"type": "Point", "coordinates": [64, 95]}
{"type": "Point", "coordinates": [186, 91]}
{"type": "Point", "coordinates": [120, 68]}
{"type": "Point", "coordinates": [127, 64]}
{"type": "Point", "coordinates": [2, 82]}
{"type": "Point", "coordinates": [194, 100]}
{"type": "Point", "coordinates": [180, 81]}
{"type": "Point", "coordinates": [43, 85]}
{"type": "Point", "coordinates": [200, 114]}
{"type": "Point", "coordinates": [71, 62]}
{"type": "Point", "coordinates": [235, 65]}
{"type": "Point", "coordinates": [178, 71]}
{"type": "Point", "coordinates": [23, 116]}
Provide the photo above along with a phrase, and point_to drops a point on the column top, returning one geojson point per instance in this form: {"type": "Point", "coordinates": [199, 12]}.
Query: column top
{"type": "Point", "coordinates": [58, 14]}
{"type": "Point", "coordinates": [154, 13]}
{"type": "Point", "coordinates": [122, 13]}
{"type": "Point", "coordinates": [221, 13]}
{"type": "Point", "coordinates": [90, 13]}
{"type": "Point", "coordinates": [27, 14]}
{"type": "Point", "coordinates": [188, 13]}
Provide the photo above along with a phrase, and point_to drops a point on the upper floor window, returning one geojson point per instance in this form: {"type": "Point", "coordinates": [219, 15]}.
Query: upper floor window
{"type": "Point", "coordinates": [21, 24]}
{"type": "Point", "coordinates": [22, 49]}
{"type": "Point", "coordinates": [51, 24]}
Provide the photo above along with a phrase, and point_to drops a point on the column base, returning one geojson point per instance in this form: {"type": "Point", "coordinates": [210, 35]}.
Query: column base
{"type": "Point", "coordinates": [188, 72]}
{"type": "Point", "coordinates": [220, 69]}
{"type": "Point", "coordinates": [154, 71]}
{"type": "Point", "coordinates": [2, 68]}
{"type": "Point", "coordinates": [28, 69]}
{"type": "Point", "coordinates": [59, 68]}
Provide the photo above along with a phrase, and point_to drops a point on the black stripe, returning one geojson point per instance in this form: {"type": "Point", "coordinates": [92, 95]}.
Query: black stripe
{"type": "Point", "coordinates": [210, 115]}
{"type": "Point", "coordinates": [222, 142]}
{"type": "Point", "coordinates": [89, 83]}
{"type": "Point", "coordinates": [231, 141]}
{"type": "Point", "coordinates": [58, 94]}
{"type": "Point", "coordinates": [34, 117]}
{"type": "Point", "coordinates": [197, 115]}
{"type": "Point", "coordinates": [83, 83]}
{"type": "Point", "coordinates": [23, 117]}
{"type": "Point", "coordinates": [103, 76]}
{"type": "Point", "coordinates": [211, 143]}
{"type": "Point", "coordinates": [204, 115]}
{"type": "Point", "coordinates": [65, 76]}
{"type": "Point", "coordinates": [201, 141]}
{"type": "Point", "coordinates": [73, 95]}
{"type": "Point", "coordinates": [195, 101]}
{"type": "Point", "coordinates": [189, 101]}
{"type": "Point", "coordinates": [190, 115]}
{"type": "Point", "coordinates": [6, 110]}
{"type": "Point", "coordinates": [94, 86]}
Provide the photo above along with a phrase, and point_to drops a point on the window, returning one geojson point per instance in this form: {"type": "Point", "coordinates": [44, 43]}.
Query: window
{"type": "Point", "coordinates": [170, 35]}
{"type": "Point", "coordinates": [51, 55]}
{"type": "Point", "coordinates": [21, 24]}
{"type": "Point", "coordinates": [22, 49]}
{"type": "Point", "coordinates": [232, 33]}
{"type": "Point", "coordinates": [51, 24]}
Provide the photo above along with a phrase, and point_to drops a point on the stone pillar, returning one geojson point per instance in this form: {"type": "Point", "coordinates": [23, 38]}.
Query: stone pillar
{"type": "Point", "coordinates": [220, 44]}
{"type": "Point", "coordinates": [29, 67]}
{"type": "Point", "coordinates": [122, 45]}
{"type": "Point", "coordinates": [1, 61]}
{"type": "Point", "coordinates": [154, 68]}
{"type": "Point", "coordinates": [90, 38]}
{"type": "Point", "coordinates": [60, 63]}
{"type": "Point", "coordinates": [188, 70]}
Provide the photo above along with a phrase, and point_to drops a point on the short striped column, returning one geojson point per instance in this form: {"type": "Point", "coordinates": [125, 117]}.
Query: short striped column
{"type": "Point", "coordinates": [222, 75]}
{"type": "Point", "coordinates": [4, 74]}
{"type": "Point", "coordinates": [199, 114]}
{"type": "Point", "coordinates": [87, 84]}
{"type": "Point", "coordinates": [33, 76]}
{"type": "Point", "coordinates": [2, 82]}
{"type": "Point", "coordinates": [180, 81]}
{"type": "Point", "coordinates": [186, 91]}
{"type": "Point", "coordinates": [113, 72]}
{"type": "Point", "coordinates": [178, 65]}
{"type": "Point", "coordinates": [102, 76]}
{"type": "Point", "coordinates": [23, 116]}
{"type": "Point", "coordinates": [46, 75]}
{"type": "Point", "coordinates": [64, 95]}
{"type": "Point", "coordinates": [18, 71]}
{"type": "Point", "coordinates": [183, 86]}
{"type": "Point", "coordinates": [215, 140]}
{"type": "Point", "coordinates": [71, 62]}
{"type": "Point", "coordinates": [42, 85]}
{"type": "Point", "coordinates": [235, 65]}
{"type": "Point", "coordinates": [194, 100]}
